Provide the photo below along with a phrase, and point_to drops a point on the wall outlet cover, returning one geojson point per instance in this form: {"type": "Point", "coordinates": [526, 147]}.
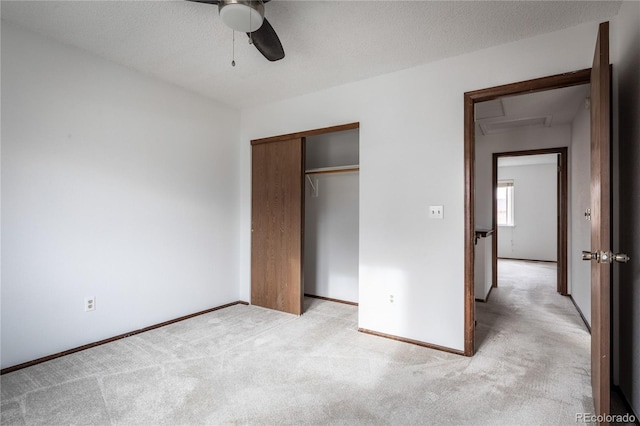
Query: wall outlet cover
{"type": "Point", "coordinates": [436, 212]}
{"type": "Point", "coordinates": [89, 303]}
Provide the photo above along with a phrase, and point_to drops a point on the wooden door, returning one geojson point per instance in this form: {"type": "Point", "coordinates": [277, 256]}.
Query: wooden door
{"type": "Point", "coordinates": [600, 223]}
{"type": "Point", "coordinates": [277, 223]}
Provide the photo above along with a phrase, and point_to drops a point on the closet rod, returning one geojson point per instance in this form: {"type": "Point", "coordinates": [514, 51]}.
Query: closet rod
{"type": "Point", "coordinates": [339, 169]}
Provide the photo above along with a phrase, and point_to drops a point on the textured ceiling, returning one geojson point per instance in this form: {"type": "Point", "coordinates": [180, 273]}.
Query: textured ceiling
{"type": "Point", "coordinates": [327, 43]}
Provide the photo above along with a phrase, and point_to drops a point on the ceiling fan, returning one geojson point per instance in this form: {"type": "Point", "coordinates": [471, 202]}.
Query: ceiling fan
{"type": "Point", "coordinates": [248, 16]}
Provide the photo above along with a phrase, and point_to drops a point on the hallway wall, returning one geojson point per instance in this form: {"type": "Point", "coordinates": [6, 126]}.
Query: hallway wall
{"type": "Point", "coordinates": [516, 140]}
{"type": "Point", "coordinates": [579, 276]}
{"type": "Point", "coordinates": [534, 234]}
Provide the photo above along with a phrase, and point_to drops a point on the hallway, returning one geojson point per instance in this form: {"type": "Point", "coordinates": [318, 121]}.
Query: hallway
{"type": "Point", "coordinates": [538, 336]}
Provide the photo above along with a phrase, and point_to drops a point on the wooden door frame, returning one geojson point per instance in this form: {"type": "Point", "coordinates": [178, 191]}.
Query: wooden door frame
{"type": "Point", "coordinates": [307, 133]}
{"type": "Point", "coordinates": [301, 135]}
{"type": "Point", "coordinates": [561, 209]}
{"type": "Point", "coordinates": [470, 99]}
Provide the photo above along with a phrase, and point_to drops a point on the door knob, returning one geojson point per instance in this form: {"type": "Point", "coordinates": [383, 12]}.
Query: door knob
{"type": "Point", "coordinates": [605, 257]}
{"type": "Point", "coordinates": [620, 257]}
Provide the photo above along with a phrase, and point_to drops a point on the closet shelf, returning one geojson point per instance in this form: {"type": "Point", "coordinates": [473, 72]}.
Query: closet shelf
{"type": "Point", "coordinates": [334, 169]}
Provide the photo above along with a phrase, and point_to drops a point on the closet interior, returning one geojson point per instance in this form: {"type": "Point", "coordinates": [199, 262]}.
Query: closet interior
{"type": "Point", "coordinates": [332, 215]}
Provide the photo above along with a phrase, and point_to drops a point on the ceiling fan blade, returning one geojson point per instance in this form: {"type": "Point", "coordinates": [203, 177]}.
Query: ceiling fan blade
{"type": "Point", "coordinates": [206, 1]}
{"type": "Point", "coordinates": [267, 42]}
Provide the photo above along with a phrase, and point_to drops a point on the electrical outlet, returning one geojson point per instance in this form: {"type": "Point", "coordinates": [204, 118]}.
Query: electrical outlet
{"type": "Point", "coordinates": [391, 298]}
{"type": "Point", "coordinates": [89, 303]}
{"type": "Point", "coordinates": [436, 212]}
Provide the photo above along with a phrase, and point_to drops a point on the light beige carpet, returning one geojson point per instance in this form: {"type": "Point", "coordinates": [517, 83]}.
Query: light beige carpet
{"type": "Point", "coordinates": [248, 365]}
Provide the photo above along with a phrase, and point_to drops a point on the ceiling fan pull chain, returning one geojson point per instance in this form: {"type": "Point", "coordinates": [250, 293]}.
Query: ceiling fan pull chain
{"type": "Point", "coordinates": [233, 50]}
{"type": "Point", "coordinates": [250, 32]}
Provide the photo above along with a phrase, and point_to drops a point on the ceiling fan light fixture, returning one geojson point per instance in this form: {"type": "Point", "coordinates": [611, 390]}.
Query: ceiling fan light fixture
{"type": "Point", "coordinates": [242, 15]}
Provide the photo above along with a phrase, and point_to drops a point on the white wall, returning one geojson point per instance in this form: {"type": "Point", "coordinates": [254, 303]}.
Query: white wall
{"type": "Point", "coordinates": [331, 218]}
{"type": "Point", "coordinates": [625, 45]}
{"type": "Point", "coordinates": [331, 237]}
{"type": "Point", "coordinates": [114, 185]}
{"type": "Point", "coordinates": [483, 268]}
{"type": "Point", "coordinates": [517, 140]}
{"type": "Point", "coordinates": [579, 276]}
{"type": "Point", "coordinates": [333, 149]}
{"type": "Point", "coordinates": [411, 156]}
{"type": "Point", "coordinates": [534, 234]}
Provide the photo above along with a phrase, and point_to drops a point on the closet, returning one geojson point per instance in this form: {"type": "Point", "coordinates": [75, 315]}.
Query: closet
{"type": "Point", "coordinates": [331, 215]}
{"type": "Point", "coordinates": [304, 217]}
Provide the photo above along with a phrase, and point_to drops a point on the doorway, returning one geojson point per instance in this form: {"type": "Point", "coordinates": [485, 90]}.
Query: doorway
{"type": "Point", "coordinates": [331, 235]}
{"type": "Point", "coordinates": [470, 100]}
{"type": "Point", "coordinates": [599, 254]}
{"type": "Point", "coordinates": [532, 222]}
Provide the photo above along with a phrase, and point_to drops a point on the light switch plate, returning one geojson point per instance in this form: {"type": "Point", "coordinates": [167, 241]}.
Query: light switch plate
{"type": "Point", "coordinates": [436, 212]}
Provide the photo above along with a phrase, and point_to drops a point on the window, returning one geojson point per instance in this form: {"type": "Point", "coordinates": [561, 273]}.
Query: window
{"type": "Point", "coordinates": [505, 202]}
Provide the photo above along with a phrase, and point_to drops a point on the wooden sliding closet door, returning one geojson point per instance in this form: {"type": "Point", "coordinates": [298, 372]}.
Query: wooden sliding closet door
{"type": "Point", "coordinates": [277, 223]}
